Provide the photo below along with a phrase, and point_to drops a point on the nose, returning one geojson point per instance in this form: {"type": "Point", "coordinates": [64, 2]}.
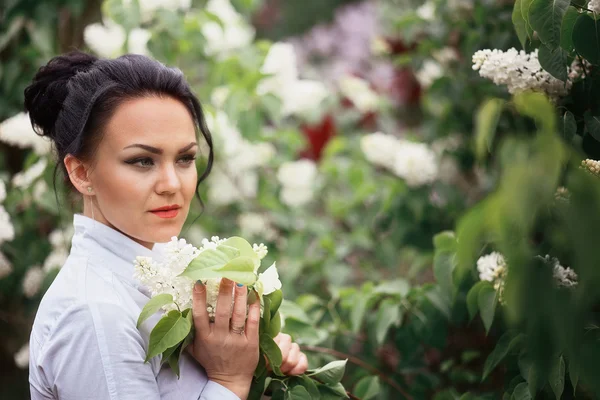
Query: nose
{"type": "Point", "coordinates": [169, 181]}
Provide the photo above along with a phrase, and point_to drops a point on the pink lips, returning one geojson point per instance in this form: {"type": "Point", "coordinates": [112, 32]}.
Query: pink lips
{"type": "Point", "coordinates": [167, 211]}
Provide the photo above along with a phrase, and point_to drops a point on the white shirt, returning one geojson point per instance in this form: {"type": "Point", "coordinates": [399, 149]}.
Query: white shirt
{"type": "Point", "coordinates": [85, 344]}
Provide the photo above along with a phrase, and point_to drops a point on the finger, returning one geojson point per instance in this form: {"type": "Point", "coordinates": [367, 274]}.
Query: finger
{"type": "Point", "coordinates": [223, 312]}
{"type": "Point", "coordinates": [285, 345]}
{"type": "Point", "coordinates": [301, 367]}
{"type": "Point", "coordinates": [238, 317]}
{"type": "Point", "coordinates": [252, 322]}
{"type": "Point", "coordinates": [292, 359]}
{"type": "Point", "coordinates": [199, 313]}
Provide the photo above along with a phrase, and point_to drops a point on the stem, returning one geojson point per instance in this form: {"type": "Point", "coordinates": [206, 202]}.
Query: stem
{"type": "Point", "coordinates": [360, 363]}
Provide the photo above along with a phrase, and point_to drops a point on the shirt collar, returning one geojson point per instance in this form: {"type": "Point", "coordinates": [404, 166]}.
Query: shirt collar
{"type": "Point", "coordinates": [109, 247]}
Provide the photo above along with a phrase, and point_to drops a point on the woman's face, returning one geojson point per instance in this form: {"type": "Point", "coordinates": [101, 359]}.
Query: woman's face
{"type": "Point", "coordinates": [144, 162]}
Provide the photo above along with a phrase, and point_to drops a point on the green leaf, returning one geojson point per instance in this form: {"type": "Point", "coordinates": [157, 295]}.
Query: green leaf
{"type": "Point", "coordinates": [399, 287]}
{"type": "Point", "coordinates": [203, 266]}
{"type": "Point", "coordinates": [240, 270]}
{"type": "Point", "coordinates": [445, 241]}
{"type": "Point", "coordinates": [566, 29]}
{"type": "Point", "coordinates": [275, 298]}
{"type": "Point", "coordinates": [472, 298]}
{"type": "Point", "coordinates": [554, 62]}
{"type": "Point", "coordinates": [297, 393]}
{"type": "Point", "coordinates": [486, 122]}
{"type": "Point", "coordinates": [557, 377]}
{"type": "Point", "coordinates": [270, 349]}
{"type": "Point", "coordinates": [545, 17]}
{"type": "Point", "coordinates": [504, 345]}
{"type": "Point", "coordinates": [525, 6]}
{"type": "Point", "coordinates": [573, 375]}
{"type": "Point", "coordinates": [331, 373]}
{"type": "Point", "coordinates": [169, 331]}
{"type": "Point", "coordinates": [152, 306]}
{"type": "Point", "coordinates": [310, 385]}
{"type": "Point", "coordinates": [336, 391]}
{"type": "Point", "coordinates": [293, 310]}
{"type": "Point", "coordinates": [367, 388]}
{"type": "Point", "coordinates": [586, 38]}
{"type": "Point", "coordinates": [389, 313]}
{"type": "Point", "coordinates": [274, 325]}
{"type": "Point", "coordinates": [538, 107]}
{"type": "Point", "coordinates": [521, 392]}
{"type": "Point", "coordinates": [444, 263]}
{"type": "Point", "coordinates": [174, 362]}
{"type": "Point", "coordinates": [244, 248]}
{"type": "Point", "coordinates": [592, 125]}
{"type": "Point", "coordinates": [520, 23]}
{"type": "Point", "coordinates": [569, 125]}
{"type": "Point", "coordinates": [487, 300]}
{"type": "Point", "coordinates": [358, 310]}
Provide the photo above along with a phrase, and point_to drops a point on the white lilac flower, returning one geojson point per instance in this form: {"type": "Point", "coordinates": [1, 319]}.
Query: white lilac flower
{"type": "Point", "coordinates": [429, 73]}
{"type": "Point", "coordinates": [298, 179]}
{"type": "Point", "coordinates": [24, 179]}
{"type": "Point", "coordinates": [22, 357]}
{"type": "Point", "coordinates": [379, 148]}
{"type": "Point", "coordinates": [105, 39]}
{"type": "Point", "coordinates": [594, 6]}
{"type": "Point", "coordinates": [519, 71]}
{"type": "Point", "coordinates": [359, 93]}
{"type": "Point", "coordinates": [2, 191]}
{"type": "Point", "coordinates": [7, 230]}
{"type": "Point", "coordinates": [149, 7]}
{"type": "Point", "coordinates": [564, 277]}
{"type": "Point", "coordinates": [219, 96]}
{"type": "Point", "coordinates": [256, 224]}
{"type": "Point", "coordinates": [302, 96]}
{"type": "Point", "coordinates": [5, 266]}
{"type": "Point", "coordinates": [379, 46]}
{"type": "Point", "coordinates": [426, 11]}
{"type": "Point", "coordinates": [39, 189]}
{"type": "Point", "coordinates": [445, 55]}
{"type": "Point", "coordinates": [491, 267]}
{"type": "Point", "coordinates": [32, 282]}
{"type": "Point", "coordinates": [592, 166]}
{"type": "Point", "coordinates": [234, 33]}
{"type": "Point", "coordinates": [416, 163]}
{"type": "Point", "coordinates": [17, 131]}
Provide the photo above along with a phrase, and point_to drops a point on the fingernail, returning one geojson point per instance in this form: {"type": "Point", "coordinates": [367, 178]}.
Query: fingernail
{"type": "Point", "coordinates": [199, 283]}
{"type": "Point", "coordinates": [240, 284]}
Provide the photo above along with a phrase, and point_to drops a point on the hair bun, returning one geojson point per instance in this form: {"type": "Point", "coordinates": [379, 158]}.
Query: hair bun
{"type": "Point", "coordinates": [45, 95]}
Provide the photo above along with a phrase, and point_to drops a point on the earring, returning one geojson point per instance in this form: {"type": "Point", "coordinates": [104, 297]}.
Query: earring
{"type": "Point", "coordinates": [89, 189]}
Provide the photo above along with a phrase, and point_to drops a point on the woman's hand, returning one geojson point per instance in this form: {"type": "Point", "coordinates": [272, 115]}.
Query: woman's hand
{"type": "Point", "coordinates": [294, 361]}
{"type": "Point", "coordinates": [227, 348]}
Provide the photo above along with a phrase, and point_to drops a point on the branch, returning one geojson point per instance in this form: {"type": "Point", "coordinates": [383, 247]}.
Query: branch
{"type": "Point", "coordinates": [360, 363]}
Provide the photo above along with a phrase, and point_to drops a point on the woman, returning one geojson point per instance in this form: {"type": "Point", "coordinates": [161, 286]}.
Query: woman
{"type": "Point", "coordinates": [126, 133]}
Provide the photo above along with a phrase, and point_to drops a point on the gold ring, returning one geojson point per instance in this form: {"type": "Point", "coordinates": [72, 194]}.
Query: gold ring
{"type": "Point", "coordinates": [239, 331]}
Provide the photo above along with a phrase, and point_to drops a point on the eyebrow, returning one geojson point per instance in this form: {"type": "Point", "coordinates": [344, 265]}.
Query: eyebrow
{"type": "Point", "coordinates": [156, 150]}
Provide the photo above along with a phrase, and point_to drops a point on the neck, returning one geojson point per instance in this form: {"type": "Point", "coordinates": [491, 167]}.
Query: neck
{"type": "Point", "coordinates": [91, 210]}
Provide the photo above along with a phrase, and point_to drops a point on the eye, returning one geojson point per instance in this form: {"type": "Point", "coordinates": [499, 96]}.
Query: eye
{"type": "Point", "coordinates": [143, 162]}
{"type": "Point", "coordinates": [187, 159]}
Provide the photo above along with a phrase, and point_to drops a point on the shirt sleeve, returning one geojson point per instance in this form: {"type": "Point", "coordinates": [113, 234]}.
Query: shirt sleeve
{"type": "Point", "coordinates": [94, 352]}
{"type": "Point", "coordinates": [214, 391]}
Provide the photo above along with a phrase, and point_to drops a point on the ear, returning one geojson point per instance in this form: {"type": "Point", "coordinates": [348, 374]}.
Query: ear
{"type": "Point", "coordinates": [78, 174]}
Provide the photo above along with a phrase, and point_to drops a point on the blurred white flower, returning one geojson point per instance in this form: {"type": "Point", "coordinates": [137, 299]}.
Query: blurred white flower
{"type": "Point", "coordinates": [426, 11]}
{"type": "Point", "coordinates": [302, 96]}
{"type": "Point", "coordinates": [445, 55]}
{"type": "Point", "coordinates": [149, 7]}
{"type": "Point", "coordinates": [7, 230]}
{"type": "Point", "coordinates": [298, 179]}
{"type": "Point", "coordinates": [491, 267]}
{"type": "Point", "coordinates": [379, 46]}
{"type": "Point", "coordinates": [416, 163]}
{"type": "Point", "coordinates": [379, 148]}
{"type": "Point", "coordinates": [564, 277]}
{"type": "Point", "coordinates": [105, 39]}
{"type": "Point", "coordinates": [22, 357]}
{"type": "Point", "coordinates": [39, 189]}
{"type": "Point", "coordinates": [298, 96]}
{"type": "Point", "coordinates": [17, 131]}
{"type": "Point", "coordinates": [255, 224]}
{"type": "Point", "coordinates": [60, 239]}
{"type": "Point", "coordinates": [429, 73]}
{"type": "Point", "coordinates": [138, 41]}
{"type": "Point", "coordinates": [5, 266]}
{"type": "Point", "coordinates": [24, 179]}
{"type": "Point", "coordinates": [235, 33]}
{"type": "Point", "coordinates": [225, 189]}
{"type": "Point", "coordinates": [594, 6]}
{"type": "Point", "coordinates": [268, 281]}
{"type": "Point", "coordinates": [359, 93]}
{"type": "Point", "coordinates": [592, 166]}
{"type": "Point", "coordinates": [2, 191]}
{"type": "Point", "coordinates": [33, 281]}
{"type": "Point", "coordinates": [219, 96]}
